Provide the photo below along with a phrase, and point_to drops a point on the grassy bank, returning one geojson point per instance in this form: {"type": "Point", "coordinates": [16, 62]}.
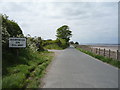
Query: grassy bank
{"type": "Point", "coordinates": [25, 70]}
{"type": "Point", "coordinates": [53, 46]}
{"type": "Point", "coordinates": [113, 62]}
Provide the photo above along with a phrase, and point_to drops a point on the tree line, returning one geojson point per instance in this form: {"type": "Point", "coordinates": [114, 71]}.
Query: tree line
{"type": "Point", "coordinates": [10, 28]}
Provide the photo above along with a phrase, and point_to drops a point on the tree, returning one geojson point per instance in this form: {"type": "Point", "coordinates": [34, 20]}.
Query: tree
{"type": "Point", "coordinates": [64, 33]}
{"type": "Point", "coordinates": [11, 26]}
{"type": "Point", "coordinates": [9, 29]}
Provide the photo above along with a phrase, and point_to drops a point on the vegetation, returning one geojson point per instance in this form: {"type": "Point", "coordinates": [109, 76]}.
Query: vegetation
{"type": "Point", "coordinates": [62, 41]}
{"type": "Point", "coordinates": [53, 46]}
{"type": "Point", "coordinates": [115, 63]}
{"type": "Point", "coordinates": [35, 43]}
{"type": "Point", "coordinates": [23, 70]}
{"type": "Point", "coordinates": [64, 33]}
{"type": "Point", "coordinates": [26, 69]}
{"type": "Point", "coordinates": [9, 29]}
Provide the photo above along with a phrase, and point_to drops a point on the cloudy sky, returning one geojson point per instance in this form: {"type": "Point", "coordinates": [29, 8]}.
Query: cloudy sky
{"type": "Point", "coordinates": [90, 22]}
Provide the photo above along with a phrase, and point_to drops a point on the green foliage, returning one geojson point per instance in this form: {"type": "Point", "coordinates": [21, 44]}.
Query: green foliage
{"type": "Point", "coordinates": [64, 33]}
{"type": "Point", "coordinates": [64, 43]}
{"type": "Point", "coordinates": [56, 44]}
{"type": "Point", "coordinates": [13, 81]}
{"type": "Point", "coordinates": [17, 69]}
{"type": "Point", "coordinates": [35, 43]}
{"type": "Point", "coordinates": [52, 46]}
{"type": "Point", "coordinates": [17, 73]}
{"type": "Point", "coordinates": [25, 69]}
{"type": "Point", "coordinates": [9, 29]}
{"type": "Point", "coordinates": [33, 84]}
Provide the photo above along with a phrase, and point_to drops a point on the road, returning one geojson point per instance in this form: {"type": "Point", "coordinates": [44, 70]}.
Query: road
{"type": "Point", "coordinates": [74, 69]}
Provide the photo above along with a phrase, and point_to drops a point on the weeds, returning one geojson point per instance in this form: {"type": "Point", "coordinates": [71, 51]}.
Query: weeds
{"type": "Point", "coordinates": [27, 72]}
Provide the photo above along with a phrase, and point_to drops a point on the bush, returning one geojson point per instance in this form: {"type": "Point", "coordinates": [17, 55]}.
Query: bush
{"type": "Point", "coordinates": [35, 43]}
{"type": "Point", "coordinates": [52, 46]}
{"type": "Point", "coordinates": [55, 44]}
{"type": "Point", "coordinates": [14, 81]}
{"type": "Point", "coordinates": [9, 29]}
{"type": "Point", "coordinates": [16, 68]}
{"type": "Point", "coordinates": [64, 43]}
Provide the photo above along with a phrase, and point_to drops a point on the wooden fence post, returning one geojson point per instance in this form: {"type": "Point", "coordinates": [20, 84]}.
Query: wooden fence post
{"type": "Point", "coordinates": [96, 50]}
{"type": "Point", "coordinates": [91, 49]}
{"type": "Point", "coordinates": [99, 51]}
{"type": "Point", "coordinates": [104, 52]}
{"type": "Point", "coordinates": [109, 53]}
{"type": "Point", "coordinates": [117, 55]}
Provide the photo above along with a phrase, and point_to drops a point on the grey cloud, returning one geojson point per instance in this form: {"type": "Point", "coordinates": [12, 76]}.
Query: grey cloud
{"type": "Point", "coordinates": [85, 19]}
{"type": "Point", "coordinates": [14, 7]}
{"type": "Point", "coordinates": [84, 10]}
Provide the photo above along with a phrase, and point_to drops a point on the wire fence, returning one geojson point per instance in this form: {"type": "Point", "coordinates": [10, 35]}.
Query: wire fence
{"type": "Point", "coordinates": [103, 52]}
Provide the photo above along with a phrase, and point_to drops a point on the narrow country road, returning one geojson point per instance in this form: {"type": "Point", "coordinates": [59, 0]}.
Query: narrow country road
{"type": "Point", "coordinates": [74, 69]}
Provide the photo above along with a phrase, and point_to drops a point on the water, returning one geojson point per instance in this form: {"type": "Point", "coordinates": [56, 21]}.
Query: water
{"type": "Point", "coordinates": [107, 47]}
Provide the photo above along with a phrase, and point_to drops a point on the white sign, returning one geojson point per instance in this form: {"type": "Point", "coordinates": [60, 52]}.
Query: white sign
{"type": "Point", "coordinates": [17, 42]}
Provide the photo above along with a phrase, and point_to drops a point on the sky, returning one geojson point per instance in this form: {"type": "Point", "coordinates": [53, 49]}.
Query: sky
{"type": "Point", "coordinates": [90, 22]}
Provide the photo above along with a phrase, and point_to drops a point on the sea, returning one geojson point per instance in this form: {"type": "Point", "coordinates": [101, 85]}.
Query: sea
{"type": "Point", "coordinates": [113, 47]}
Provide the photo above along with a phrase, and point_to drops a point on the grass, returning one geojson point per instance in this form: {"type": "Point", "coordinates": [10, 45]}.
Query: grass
{"type": "Point", "coordinates": [26, 70]}
{"type": "Point", "coordinates": [53, 46]}
{"type": "Point", "coordinates": [111, 61]}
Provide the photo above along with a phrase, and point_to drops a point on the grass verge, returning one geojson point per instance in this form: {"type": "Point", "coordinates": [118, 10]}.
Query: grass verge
{"type": "Point", "coordinates": [26, 71]}
{"type": "Point", "coordinates": [111, 61]}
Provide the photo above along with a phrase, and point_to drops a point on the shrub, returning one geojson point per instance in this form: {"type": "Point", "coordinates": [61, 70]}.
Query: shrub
{"type": "Point", "coordinates": [14, 81]}
{"type": "Point", "coordinates": [52, 46]}
{"type": "Point", "coordinates": [64, 43]}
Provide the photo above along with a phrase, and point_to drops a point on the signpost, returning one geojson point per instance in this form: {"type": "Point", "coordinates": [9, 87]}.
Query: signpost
{"type": "Point", "coordinates": [17, 42]}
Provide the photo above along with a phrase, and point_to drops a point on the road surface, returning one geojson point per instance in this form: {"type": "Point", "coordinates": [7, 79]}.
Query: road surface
{"type": "Point", "coordinates": [74, 69]}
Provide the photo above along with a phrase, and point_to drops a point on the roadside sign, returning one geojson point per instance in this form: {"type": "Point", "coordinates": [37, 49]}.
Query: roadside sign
{"type": "Point", "coordinates": [17, 42]}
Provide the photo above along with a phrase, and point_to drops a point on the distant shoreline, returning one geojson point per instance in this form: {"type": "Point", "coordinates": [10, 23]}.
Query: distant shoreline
{"type": "Point", "coordinates": [107, 47]}
{"type": "Point", "coordinates": [112, 47]}
{"type": "Point", "coordinates": [102, 44]}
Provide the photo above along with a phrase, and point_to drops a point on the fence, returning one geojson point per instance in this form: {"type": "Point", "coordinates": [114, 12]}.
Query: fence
{"type": "Point", "coordinates": [103, 52]}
